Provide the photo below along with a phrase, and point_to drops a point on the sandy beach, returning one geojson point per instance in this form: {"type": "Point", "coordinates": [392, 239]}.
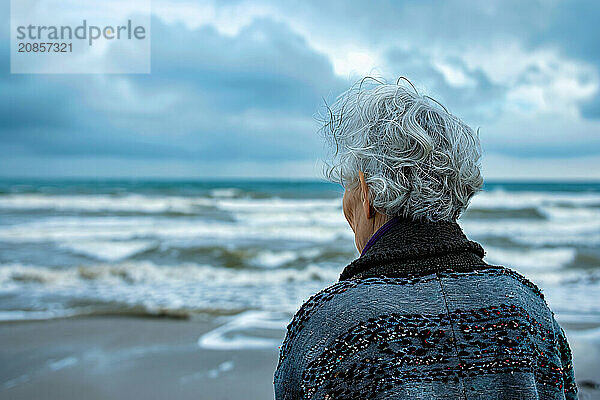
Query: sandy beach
{"type": "Point", "coordinates": [126, 358]}
{"type": "Point", "coordinates": [159, 358]}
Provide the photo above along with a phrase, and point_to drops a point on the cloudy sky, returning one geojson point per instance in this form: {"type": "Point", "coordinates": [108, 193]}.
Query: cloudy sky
{"type": "Point", "coordinates": [236, 88]}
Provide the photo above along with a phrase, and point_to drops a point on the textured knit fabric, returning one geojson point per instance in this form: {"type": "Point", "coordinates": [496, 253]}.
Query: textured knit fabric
{"type": "Point", "coordinates": [420, 315]}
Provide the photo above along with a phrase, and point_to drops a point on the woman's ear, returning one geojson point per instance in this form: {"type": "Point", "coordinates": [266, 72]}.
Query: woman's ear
{"type": "Point", "coordinates": [365, 195]}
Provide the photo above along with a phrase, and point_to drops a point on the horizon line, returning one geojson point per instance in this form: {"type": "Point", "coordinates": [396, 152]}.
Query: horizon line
{"type": "Point", "coordinates": [269, 179]}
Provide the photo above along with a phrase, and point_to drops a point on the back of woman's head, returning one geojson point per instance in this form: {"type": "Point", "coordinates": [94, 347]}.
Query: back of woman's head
{"type": "Point", "coordinates": [419, 161]}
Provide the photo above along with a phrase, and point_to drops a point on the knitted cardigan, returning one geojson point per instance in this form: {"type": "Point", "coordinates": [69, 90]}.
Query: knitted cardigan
{"type": "Point", "coordinates": [420, 315]}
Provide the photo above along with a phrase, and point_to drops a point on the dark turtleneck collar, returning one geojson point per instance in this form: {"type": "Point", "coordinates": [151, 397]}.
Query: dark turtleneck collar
{"type": "Point", "coordinates": [404, 247]}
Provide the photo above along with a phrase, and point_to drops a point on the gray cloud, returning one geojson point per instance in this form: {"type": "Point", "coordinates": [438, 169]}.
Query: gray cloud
{"type": "Point", "coordinates": [210, 97]}
{"type": "Point", "coordinates": [481, 100]}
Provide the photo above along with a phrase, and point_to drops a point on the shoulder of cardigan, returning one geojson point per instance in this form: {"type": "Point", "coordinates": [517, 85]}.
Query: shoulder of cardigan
{"type": "Point", "coordinates": [407, 241]}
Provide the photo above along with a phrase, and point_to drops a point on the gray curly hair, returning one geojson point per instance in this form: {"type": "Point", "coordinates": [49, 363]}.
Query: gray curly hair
{"type": "Point", "coordinates": [419, 161]}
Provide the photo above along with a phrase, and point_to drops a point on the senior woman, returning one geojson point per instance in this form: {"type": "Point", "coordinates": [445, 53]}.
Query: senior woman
{"type": "Point", "coordinates": [420, 314]}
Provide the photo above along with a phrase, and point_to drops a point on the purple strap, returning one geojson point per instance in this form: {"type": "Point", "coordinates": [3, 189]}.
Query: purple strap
{"type": "Point", "coordinates": [380, 232]}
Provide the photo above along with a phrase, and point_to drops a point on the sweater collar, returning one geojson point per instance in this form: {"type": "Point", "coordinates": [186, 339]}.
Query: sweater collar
{"type": "Point", "coordinates": [405, 247]}
{"type": "Point", "coordinates": [380, 232]}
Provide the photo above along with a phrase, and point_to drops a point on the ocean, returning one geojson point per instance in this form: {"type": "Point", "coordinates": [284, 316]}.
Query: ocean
{"type": "Point", "coordinates": [254, 250]}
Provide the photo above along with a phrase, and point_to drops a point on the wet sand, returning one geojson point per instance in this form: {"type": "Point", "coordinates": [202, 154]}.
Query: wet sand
{"type": "Point", "coordinates": [126, 358]}
{"type": "Point", "coordinates": [143, 358]}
